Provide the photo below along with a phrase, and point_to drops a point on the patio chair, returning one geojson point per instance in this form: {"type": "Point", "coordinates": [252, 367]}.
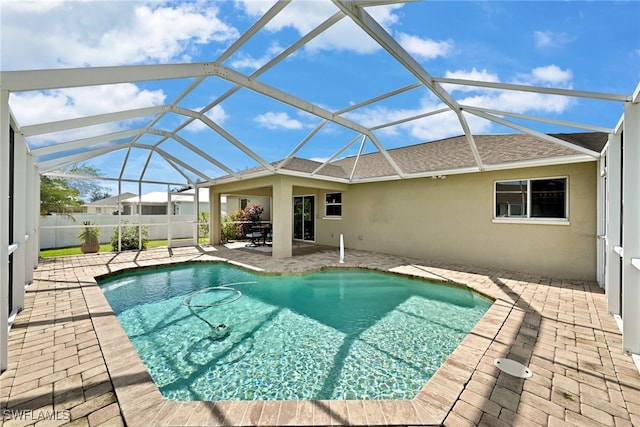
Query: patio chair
{"type": "Point", "coordinates": [269, 237]}
{"type": "Point", "coordinates": [253, 234]}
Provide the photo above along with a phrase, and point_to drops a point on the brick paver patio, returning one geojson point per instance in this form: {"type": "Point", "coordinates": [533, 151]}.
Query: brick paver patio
{"type": "Point", "coordinates": [70, 362]}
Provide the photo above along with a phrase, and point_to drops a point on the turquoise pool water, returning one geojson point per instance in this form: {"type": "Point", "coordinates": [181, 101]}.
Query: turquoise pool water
{"type": "Point", "coordinates": [335, 334]}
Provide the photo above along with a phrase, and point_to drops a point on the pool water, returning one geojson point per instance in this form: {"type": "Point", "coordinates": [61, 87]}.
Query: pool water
{"type": "Point", "coordinates": [335, 334]}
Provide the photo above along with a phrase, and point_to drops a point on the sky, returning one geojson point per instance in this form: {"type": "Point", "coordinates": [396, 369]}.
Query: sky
{"type": "Point", "coordinates": [586, 46]}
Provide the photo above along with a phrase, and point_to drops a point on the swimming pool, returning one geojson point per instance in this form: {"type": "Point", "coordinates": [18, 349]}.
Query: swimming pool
{"type": "Point", "coordinates": [333, 334]}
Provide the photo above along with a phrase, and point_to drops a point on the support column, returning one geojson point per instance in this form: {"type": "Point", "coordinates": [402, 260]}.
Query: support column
{"type": "Point", "coordinates": [614, 209]}
{"type": "Point", "coordinates": [196, 214]}
{"type": "Point", "coordinates": [215, 217]}
{"type": "Point", "coordinates": [282, 218]}
{"type": "Point", "coordinates": [19, 222]}
{"type": "Point", "coordinates": [36, 213]}
{"type": "Point", "coordinates": [631, 230]}
{"type": "Point", "coordinates": [30, 219]}
{"type": "Point", "coordinates": [4, 229]}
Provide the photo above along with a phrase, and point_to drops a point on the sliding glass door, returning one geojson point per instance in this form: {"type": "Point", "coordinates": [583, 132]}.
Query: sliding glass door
{"type": "Point", "coordinates": [303, 218]}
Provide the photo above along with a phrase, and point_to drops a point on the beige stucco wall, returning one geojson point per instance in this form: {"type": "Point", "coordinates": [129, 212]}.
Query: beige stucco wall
{"type": "Point", "coordinates": [450, 220]}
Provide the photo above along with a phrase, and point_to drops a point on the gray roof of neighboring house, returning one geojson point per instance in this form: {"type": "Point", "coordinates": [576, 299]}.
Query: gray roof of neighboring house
{"type": "Point", "coordinates": [450, 153]}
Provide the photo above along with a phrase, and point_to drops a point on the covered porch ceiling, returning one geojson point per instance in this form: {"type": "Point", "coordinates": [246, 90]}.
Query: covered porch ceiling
{"type": "Point", "coordinates": [158, 134]}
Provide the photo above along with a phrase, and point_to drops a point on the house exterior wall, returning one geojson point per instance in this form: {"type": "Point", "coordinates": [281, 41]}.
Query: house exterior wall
{"type": "Point", "coordinates": [234, 202]}
{"type": "Point", "coordinates": [450, 221]}
{"type": "Point", "coordinates": [101, 210]}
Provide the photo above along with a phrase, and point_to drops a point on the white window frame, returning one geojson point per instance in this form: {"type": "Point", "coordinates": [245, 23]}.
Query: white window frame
{"type": "Point", "coordinates": [528, 219]}
{"type": "Point", "coordinates": [327, 216]}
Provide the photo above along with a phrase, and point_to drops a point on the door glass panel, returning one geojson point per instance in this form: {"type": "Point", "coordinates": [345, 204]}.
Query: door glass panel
{"type": "Point", "coordinates": [303, 217]}
{"type": "Point", "coordinates": [309, 209]}
{"type": "Point", "coordinates": [297, 217]}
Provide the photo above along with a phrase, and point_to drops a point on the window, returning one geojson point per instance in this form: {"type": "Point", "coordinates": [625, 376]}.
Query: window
{"type": "Point", "coordinates": [531, 198]}
{"type": "Point", "coordinates": [333, 205]}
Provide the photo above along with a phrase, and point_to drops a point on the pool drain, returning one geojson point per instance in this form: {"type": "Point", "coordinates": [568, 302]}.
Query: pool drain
{"type": "Point", "coordinates": [513, 368]}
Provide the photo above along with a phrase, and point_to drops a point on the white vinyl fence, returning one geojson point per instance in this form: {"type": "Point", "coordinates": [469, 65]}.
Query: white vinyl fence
{"type": "Point", "coordinates": [57, 231]}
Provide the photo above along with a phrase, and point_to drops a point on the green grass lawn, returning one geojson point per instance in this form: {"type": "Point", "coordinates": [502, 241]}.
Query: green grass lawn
{"type": "Point", "coordinates": [75, 250]}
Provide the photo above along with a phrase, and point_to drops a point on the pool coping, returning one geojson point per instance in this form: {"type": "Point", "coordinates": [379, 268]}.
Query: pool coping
{"type": "Point", "coordinates": [142, 404]}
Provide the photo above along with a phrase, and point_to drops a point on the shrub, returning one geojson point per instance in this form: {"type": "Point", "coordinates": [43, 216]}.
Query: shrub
{"type": "Point", "coordinates": [129, 236]}
{"type": "Point", "coordinates": [203, 224]}
{"type": "Point", "coordinates": [231, 230]}
{"type": "Point", "coordinates": [252, 213]}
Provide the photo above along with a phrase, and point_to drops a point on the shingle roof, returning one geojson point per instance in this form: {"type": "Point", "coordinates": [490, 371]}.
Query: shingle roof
{"type": "Point", "coordinates": [454, 153]}
{"type": "Point", "coordinates": [447, 154]}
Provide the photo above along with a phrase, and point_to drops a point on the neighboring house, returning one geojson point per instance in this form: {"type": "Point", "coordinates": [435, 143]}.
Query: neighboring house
{"type": "Point", "coordinates": [107, 206]}
{"type": "Point", "coordinates": [532, 207]}
{"type": "Point", "coordinates": [156, 203]}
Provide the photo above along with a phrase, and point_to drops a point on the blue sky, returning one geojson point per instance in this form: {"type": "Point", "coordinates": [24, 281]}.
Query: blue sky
{"type": "Point", "coordinates": [591, 46]}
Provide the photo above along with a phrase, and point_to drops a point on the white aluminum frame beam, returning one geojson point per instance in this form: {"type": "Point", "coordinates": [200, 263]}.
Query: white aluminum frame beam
{"type": "Point", "coordinates": [613, 235]}
{"type": "Point", "coordinates": [4, 229]}
{"type": "Point", "coordinates": [204, 155]}
{"type": "Point", "coordinates": [257, 26]}
{"type": "Point", "coordinates": [173, 161]}
{"type": "Point", "coordinates": [216, 128]}
{"type": "Point", "coordinates": [535, 89]}
{"type": "Point", "coordinates": [384, 39]}
{"type": "Point", "coordinates": [63, 78]}
{"type": "Point", "coordinates": [193, 148]}
{"type": "Point", "coordinates": [631, 229]}
{"type": "Point", "coordinates": [538, 119]}
{"type": "Point", "coordinates": [412, 118]}
{"type": "Point", "coordinates": [535, 133]}
{"type": "Point", "coordinates": [107, 178]}
{"type": "Point", "coordinates": [62, 125]}
{"type": "Point", "coordinates": [61, 162]}
{"type": "Point", "coordinates": [226, 135]}
{"type": "Point", "coordinates": [336, 154]}
{"type": "Point", "coordinates": [355, 163]}
{"type": "Point", "coordinates": [86, 142]}
{"type": "Point", "coordinates": [301, 144]}
{"type": "Point", "coordinates": [380, 98]}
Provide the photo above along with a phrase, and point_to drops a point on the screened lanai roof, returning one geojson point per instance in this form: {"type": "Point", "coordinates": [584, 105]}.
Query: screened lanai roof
{"type": "Point", "coordinates": [314, 88]}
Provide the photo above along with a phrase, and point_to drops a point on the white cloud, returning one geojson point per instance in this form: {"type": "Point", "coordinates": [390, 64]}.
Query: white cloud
{"type": "Point", "coordinates": [271, 120]}
{"type": "Point", "coordinates": [424, 129]}
{"type": "Point", "coordinates": [551, 74]}
{"type": "Point", "coordinates": [424, 48]}
{"type": "Point", "coordinates": [31, 6]}
{"type": "Point", "coordinates": [447, 124]}
{"type": "Point", "coordinates": [246, 61]}
{"type": "Point", "coordinates": [549, 39]}
{"type": "Point", "coordinates": [108, 33]}
{"type": "Point", "coordinates": [303, 16]}
{"type": "Point", "coordinates": [473, 74]}
{"type": "Point", "coordinates": [43, 107]}
{"type": "Point", "coordinates": [518, 102]}
{"type": "Point", "coordinates": [217, 114]}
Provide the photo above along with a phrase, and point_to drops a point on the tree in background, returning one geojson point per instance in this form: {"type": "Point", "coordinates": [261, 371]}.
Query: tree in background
{"type": "Point", "coordinates": [89, 189]}
{"type": "Point", "coordinates": [57, 196]}
{"type": "Point", "coordinates": [64, 196]}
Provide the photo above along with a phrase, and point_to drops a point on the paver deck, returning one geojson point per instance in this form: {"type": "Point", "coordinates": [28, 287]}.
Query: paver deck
{"type": "Point", "coordinates": [71, 363]}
